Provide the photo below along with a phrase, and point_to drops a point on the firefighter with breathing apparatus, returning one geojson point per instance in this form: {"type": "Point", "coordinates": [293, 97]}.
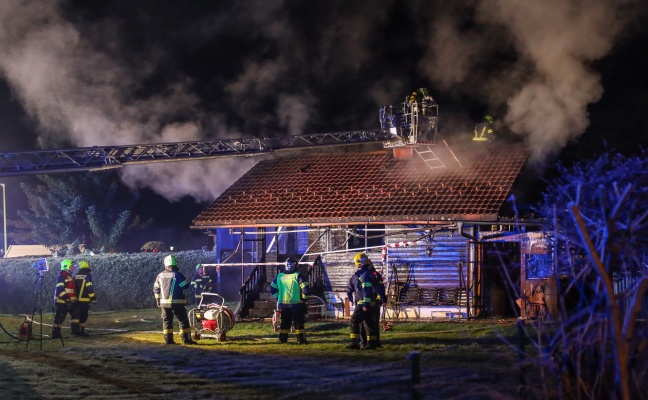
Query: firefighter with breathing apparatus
{"type": "Point", "coordinates": [65, 300]}
{"type": "Point", "coordinates": [169, 289]}
{"type": "Point", "coordinates": [291, 291]}
{"type": "Point", "coordinates": [361, 291]}
{"type": "Point", "coordinates": [381, 298]}
{"type": "Point", "coordinates": [85, 294]}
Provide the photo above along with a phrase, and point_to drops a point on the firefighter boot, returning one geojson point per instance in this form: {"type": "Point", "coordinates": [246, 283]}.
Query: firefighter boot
{"type": "Point", "coordinates": [75, 328]}
{"type": "Point", "coordinates": [56, 332]}
{"type": "Point", "coordinates": [186, 338]}
{"type": "Point", "coordinates": [371, 345]}
{"type": "Point", "coordinates": [283, 337]}
{"type": "Point", "coordinates": [168, 338]}
{"type": "Point", "coordinates": [83, 331]}
{"type": "Point", "coordinates": [301, 338]}
{"type": "Point", "coordinates": [355, 343]}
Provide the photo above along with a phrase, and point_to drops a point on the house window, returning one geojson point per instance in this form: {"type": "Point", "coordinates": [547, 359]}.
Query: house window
{"type": "Point", "coordinates": [364, 236]}
{"type": "Point", "coordinates": [293, 240]}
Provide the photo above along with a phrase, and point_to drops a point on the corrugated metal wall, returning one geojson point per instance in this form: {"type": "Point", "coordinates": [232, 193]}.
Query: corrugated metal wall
{"type": "Point", "coordinates": [432, 264]}
{"type": "Point", "coordinates": [411, 265]}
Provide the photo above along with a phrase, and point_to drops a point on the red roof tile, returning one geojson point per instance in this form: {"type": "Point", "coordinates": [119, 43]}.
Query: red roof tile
{"type": "Point", "coordinates": [358, 188]}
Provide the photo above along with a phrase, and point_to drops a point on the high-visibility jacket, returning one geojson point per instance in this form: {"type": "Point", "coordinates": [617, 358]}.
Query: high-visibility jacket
{"type": "Point", "coordinates": [65, 290]}
{"type": "Point", "coordinates": [483, 130]}
{"type": "Point", "coordinates": [289, 289]}
{"type": "Point", "coordinates": [199, 284]}
{"type": "Point", "coordinates": [169, 288]}
{"type": "Point", "coordinates": [84, 288]}
{"type": "Point", "coordinates": [361, 288]}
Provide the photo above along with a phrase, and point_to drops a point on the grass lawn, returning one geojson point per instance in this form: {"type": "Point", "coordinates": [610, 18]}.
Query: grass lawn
{"type": "Point", "coordinates": [125, 358]}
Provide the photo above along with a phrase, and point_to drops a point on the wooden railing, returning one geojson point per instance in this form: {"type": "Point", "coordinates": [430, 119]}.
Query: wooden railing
{"type": "Point", "coordinates": [251, 289]}
{"type": "Point", "coordinates": [316, 276]}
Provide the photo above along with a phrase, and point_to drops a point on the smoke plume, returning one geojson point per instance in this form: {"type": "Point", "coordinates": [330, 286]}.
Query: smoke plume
{"type": "Point", "coordinates": [545, 50]}
{"type": "Point", "coordinates": [121, 74]}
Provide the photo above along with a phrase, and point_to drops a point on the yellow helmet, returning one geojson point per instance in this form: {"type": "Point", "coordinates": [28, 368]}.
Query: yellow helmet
{"type": "Point", "coordinates": [360, 260]}
{"type": "Point", "coordinates": [66, 265]}
{"type": "Point", "coordinates": [84, 264]}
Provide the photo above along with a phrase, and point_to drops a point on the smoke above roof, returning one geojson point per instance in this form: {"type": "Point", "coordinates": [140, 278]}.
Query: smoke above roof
{"type": "Point", "coordinates": [123, 74]}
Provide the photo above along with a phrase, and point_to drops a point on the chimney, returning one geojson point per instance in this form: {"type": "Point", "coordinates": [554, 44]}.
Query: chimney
{"type": "Point", "coordinates": [403, 153]}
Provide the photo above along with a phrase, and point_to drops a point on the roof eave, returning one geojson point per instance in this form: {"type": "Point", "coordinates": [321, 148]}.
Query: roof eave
{"type": "Point", "coordinates": [377, 220]}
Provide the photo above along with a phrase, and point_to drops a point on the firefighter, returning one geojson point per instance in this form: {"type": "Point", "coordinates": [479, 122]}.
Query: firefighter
{"type": "Point", "coordinates": [381, 298]}
{"type": "Point", "coordinates": [169, 289]}
{"type": "Point", "coordinates": [201, 282]}
{"type": "Point", "coordinates": [361, 292]}
{"type": "Point", "coordinates": [484, 129]}
{"type": "Point", "coordinates": [85, 294]}
{"type": "Point", "coordinates": [65, 300]}
{"type": "Point", "coordinates": [291, 291]}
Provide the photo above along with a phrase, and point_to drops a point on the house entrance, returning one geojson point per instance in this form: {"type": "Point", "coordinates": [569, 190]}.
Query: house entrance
{"type": "Point", "coordinates": [501, 278]}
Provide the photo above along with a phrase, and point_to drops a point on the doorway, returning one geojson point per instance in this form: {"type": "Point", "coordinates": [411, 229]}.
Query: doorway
{"type": "Point", "coordinates": [501, 278]}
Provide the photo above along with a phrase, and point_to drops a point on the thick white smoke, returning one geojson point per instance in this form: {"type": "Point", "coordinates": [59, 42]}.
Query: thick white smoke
{"type": "Point", "coordinates": [83, 96]}
{"type": "Point", "coordinates": [546, 83]}
{"type": "Point", "coordinates": [279, 64]}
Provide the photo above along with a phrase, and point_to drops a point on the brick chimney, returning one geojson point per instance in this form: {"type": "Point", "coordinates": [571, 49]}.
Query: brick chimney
{"type": "Point", "coordinates": [403, 152]}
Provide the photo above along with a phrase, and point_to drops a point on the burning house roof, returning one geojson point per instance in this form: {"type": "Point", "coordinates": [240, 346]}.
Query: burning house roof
{"type": "Point", "coordinates": [370, 188]}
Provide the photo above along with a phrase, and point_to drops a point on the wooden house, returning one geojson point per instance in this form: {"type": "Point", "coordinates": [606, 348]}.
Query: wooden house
{"type": "Point", "coordinates": [438, 222]}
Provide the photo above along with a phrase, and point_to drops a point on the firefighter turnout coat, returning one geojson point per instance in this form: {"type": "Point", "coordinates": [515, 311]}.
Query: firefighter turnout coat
{"type": "Point", "coordinates": [84, 288]}
{"type": "Point", "coordinates": [65, 291]}
{"type": "Point", "coordinates": [169, 288]}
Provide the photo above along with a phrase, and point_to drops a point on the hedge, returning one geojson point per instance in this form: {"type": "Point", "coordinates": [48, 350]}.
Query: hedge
{"type": "Point", "coordinates": [121, 280]}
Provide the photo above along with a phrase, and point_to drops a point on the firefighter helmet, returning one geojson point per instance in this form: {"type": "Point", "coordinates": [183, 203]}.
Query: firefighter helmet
{"type": "Point", "coordinates": [291, 265]}
{"type": "Point", "coordinates": [488, 118]}
{"type": "Point", "coordinates": [198, 266]}
{"type": "Point", "coordinates": [84, 264]}
{"type": "Point", "coordinates": [361, 260]}
{"type": "Point", "coordinates": [170, 261]}
{"type": "Point", "coordinates": [66, 265]}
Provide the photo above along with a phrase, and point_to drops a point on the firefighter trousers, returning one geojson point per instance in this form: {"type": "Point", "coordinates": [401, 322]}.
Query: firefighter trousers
{"type": "Point", "coordinates": [180, 312]}
{"type": "Point", "coordinates": [61, 312]}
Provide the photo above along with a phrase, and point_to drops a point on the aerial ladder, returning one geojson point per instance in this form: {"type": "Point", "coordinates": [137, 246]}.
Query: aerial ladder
{"type": "Point", "coordinates": [411, 123]}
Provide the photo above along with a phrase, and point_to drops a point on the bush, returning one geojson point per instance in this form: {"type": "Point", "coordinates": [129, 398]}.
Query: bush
{"type": "Point", "coordinates": [121, 281]}
{"type": "Point", "coordinates": [154, 247]}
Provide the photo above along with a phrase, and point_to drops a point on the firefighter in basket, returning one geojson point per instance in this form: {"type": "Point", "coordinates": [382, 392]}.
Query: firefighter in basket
{"type": "Point", "coordinates": [291, 291]}
{"type": "Point", "coordinates": [169, 290]}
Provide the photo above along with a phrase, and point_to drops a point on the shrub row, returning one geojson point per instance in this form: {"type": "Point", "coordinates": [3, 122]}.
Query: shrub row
{"type": "Point", "coordinates": [121, 280]}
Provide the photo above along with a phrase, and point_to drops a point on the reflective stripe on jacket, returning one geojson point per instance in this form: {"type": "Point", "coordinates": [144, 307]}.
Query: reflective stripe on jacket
{"type": "Point", "coordinates": [169, 287]}
{"type": "Point", "coordinates": [65, 290]}
{"type": "Point", "coordinates": [289, 288]}
{"type": "Point", "coordinates": [199, 284]}
{"type": "Point", "coordinates": [84, 287]}
{"type": "Point", "coordinates": [361, 287]}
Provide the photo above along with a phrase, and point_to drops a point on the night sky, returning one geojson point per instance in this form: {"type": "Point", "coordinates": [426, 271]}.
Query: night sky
{"type": "Point", "coordinates": [567, 77]}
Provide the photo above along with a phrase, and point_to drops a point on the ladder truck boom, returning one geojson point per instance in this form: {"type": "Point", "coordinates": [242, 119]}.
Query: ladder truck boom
{"type": "Point", "coordinates": [107, 157]}
{"type": "Point", "coordinates": [412, 122]}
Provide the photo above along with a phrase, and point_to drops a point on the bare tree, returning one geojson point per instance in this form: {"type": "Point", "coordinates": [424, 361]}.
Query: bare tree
{"type": "Point", "coordinates": [597, 350]}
